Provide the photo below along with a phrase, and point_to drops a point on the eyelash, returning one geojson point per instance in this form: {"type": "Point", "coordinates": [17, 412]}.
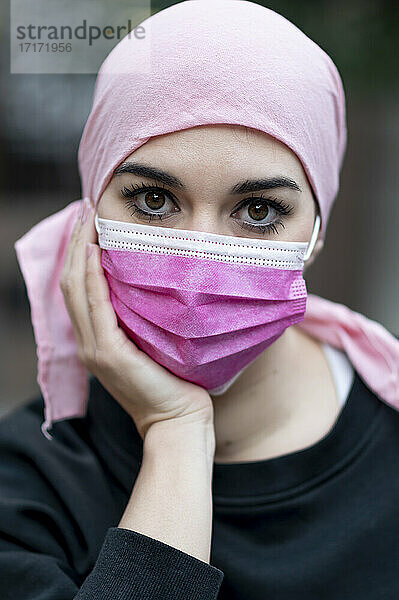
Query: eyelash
{"type": "Point", "coordinates": [280, 206]}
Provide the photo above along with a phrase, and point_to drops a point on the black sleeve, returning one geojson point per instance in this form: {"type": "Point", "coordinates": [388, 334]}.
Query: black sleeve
{"type": "Point", "coordinates": [133, 566]}
{"type": "Point", "coordinates": [35, 543]}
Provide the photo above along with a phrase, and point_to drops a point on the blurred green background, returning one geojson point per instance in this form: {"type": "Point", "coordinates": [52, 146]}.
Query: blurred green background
{"type": "Point", "coordinates": [42, 117]}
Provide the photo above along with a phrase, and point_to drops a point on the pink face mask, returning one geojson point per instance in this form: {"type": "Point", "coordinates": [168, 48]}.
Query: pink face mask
{"type": "Point", "coordinates": [202, 305]}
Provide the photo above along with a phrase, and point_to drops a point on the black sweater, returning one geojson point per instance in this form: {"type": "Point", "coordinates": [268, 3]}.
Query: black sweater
{"type": "Point", "coordinates": [321, 523]}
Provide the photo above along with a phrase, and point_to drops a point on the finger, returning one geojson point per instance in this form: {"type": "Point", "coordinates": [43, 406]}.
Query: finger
{"type": "Point", "coordinates": [87, 233]}
{"type": "Point", "coordinates": [90, 226]}
{"type": "Point", "coordinates": [103, 317]}
{"type": "Point", "coordinates": [72, 241]}
{"type": "Point", "coordinates": [83, 234]}
{"type": "Point", "coordinates": [76, 295]}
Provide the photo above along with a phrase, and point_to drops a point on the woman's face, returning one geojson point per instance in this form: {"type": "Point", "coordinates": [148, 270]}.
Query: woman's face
{"type": "Point", "coordinates": [224, 179]}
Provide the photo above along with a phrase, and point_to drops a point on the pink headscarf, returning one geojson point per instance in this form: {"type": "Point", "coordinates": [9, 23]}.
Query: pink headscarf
{"type": "Point", "coordinates": [211, 61]}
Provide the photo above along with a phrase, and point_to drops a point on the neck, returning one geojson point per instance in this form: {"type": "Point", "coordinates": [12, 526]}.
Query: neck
{"type": "Point", "coordinates": [284, 401]}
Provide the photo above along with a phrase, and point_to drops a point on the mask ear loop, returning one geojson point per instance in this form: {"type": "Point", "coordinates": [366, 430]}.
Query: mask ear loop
{"type": "Point", "coordinates": [96, 223]}
{"type": "Point", "coordinates": [311, 245]}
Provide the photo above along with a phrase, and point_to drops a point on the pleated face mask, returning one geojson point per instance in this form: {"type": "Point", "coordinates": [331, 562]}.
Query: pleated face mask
{"type": "Point", "coordinates": [203, 305]}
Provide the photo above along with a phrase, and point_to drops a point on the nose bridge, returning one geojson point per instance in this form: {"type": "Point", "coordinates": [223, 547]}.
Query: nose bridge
{"type": "Point", "coordinates": [205, 216]}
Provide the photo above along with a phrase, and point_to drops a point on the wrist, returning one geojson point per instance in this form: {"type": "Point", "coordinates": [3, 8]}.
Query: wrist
{"type": "Point", "coordinates": [181, 435]}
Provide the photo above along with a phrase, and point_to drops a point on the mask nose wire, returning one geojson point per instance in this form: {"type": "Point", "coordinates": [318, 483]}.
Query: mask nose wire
{"type": "Point", "coordinates": [309, 249]}
{"type": "Point", "coordinates": [315, 233]}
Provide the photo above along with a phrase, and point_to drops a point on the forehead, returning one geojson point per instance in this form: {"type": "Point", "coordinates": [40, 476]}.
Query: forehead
{"type": "Point", "coordinates": [221, 146]}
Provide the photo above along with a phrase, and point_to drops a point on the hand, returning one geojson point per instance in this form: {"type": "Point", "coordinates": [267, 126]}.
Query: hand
{"type": "Point", "coordinates": [145, 389]}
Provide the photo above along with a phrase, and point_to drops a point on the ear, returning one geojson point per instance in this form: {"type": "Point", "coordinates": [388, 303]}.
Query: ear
{"type": "Point", "coordinates": [316, 251]}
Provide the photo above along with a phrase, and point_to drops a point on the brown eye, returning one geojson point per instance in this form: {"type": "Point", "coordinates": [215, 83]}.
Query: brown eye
{"type": "Point", "coordinates": [263, 213]}
{"type": "Point", "coordinates": [154, 200]}
{"type": "Point", "coordinates": [258, 210]}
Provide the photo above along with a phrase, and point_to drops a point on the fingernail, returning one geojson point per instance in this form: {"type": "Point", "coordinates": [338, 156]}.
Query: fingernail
{"type": "Point", "coordinates": [89, 249]}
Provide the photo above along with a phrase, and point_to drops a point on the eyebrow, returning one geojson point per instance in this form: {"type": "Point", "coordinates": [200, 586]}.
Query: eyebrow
{"type": "Point", "coordinates": [242, 187]}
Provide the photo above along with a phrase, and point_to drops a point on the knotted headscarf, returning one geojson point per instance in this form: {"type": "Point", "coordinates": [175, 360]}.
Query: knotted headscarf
{"type": "Point", "coordinates": [209, 62]}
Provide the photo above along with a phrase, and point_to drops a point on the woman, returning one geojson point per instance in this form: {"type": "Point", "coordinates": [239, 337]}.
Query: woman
{"type": "Point", "coordinates": [226, 445]}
